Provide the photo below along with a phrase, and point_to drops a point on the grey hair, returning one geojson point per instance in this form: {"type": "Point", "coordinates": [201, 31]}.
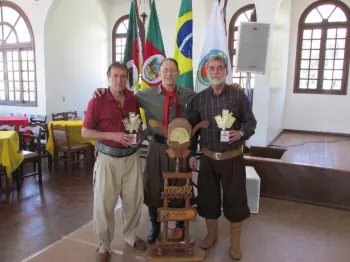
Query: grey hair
{"type": "Point", "coordinates": [217, 58]}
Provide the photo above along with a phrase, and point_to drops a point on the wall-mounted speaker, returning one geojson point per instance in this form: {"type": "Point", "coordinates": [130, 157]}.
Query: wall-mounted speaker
{"type": "Point", "coordinates": [252, 44]}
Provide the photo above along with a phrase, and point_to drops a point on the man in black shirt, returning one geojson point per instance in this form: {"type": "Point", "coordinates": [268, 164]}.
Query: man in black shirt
{"type": "Point", "coordinates": [222, 153]}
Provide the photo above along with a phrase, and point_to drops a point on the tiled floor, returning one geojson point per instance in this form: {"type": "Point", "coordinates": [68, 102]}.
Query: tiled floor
{"type": "Point", "coordinates": [282, 232]}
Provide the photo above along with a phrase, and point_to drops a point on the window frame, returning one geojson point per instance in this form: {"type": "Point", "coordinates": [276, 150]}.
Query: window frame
{"type": "Point", "coordinates": [115, 35]}
{"type": "Point", "coordinates": [324, 25]}
{"type": "Point", "coordinates": [27, 46]}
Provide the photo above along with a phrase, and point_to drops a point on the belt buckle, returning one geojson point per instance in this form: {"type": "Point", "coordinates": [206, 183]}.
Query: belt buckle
{"type": "Point", "coordinates": [217, 156]}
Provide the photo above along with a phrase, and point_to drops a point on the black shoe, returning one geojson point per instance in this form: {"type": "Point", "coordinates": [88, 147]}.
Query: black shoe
{"type": "Point", "coordinates": [153, 235]}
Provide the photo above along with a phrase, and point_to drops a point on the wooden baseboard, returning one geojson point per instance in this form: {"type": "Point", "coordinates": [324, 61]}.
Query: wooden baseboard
{"type": "Point", "coordinates": [314, 132]}
{"type": "Point", "coordinates": [276, 137]}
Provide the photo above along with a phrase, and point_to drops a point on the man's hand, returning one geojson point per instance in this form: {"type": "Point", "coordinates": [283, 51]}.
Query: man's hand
{"type": "Point", "coordinates": [120, 137]}
{"type": "Point", "coordinates": [234, 136]}
{"type": "Point", "coordinates": [235, 85]}
{"type": "Point", "coordinates": [193, 162]}
{"type": "Point", "coordinates": [98, 92]}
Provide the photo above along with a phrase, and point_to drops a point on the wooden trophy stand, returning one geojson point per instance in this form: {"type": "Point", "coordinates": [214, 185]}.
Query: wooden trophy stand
{"type": "Point", "coordinates": [178, 247]}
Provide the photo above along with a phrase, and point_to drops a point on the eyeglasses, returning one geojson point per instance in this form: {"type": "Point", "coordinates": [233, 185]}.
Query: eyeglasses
{"type": "Point", "coordinates": [171, 71]}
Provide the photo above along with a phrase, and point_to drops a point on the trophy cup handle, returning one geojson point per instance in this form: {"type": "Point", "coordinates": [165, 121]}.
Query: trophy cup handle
{"type": "Point", "coordinates": [155, 123]}
{"type": "Point", "coordinates": [203, 124]}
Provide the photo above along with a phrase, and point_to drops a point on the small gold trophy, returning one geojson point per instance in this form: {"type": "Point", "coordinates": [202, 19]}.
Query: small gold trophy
{"type": "Point", "coordinates": [132, 125]}
{"type": "Point", "coordinates": [225, 121]}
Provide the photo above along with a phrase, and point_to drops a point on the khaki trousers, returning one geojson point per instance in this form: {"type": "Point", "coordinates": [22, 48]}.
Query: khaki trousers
{"type": "Point", "coordinates": [114, 177]}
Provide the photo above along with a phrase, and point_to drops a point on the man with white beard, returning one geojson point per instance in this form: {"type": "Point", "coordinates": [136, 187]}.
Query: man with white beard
{"type": "Point", "coordinates": [222, 153]}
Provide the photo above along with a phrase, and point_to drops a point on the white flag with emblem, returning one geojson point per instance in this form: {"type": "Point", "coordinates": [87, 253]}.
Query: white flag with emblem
{"type": "Point", "coordinates": [215, 42]}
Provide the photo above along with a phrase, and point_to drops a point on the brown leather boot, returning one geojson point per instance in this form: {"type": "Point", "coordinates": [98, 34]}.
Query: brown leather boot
{"type": "Point", "coordinates": [236, 230]}
{"type": "Point", "coordinates": [212, 234]}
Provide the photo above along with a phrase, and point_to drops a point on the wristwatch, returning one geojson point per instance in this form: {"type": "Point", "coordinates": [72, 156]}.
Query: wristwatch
{"type": "Point", "coordinates": [241, 133]}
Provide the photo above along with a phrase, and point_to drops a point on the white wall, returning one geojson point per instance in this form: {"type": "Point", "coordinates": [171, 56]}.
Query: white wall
{"type": "Point", "coordinates": [76, 57]}
{"type": "Point", "coordinates": [278, 69]}
{"type": "Point", "coordinates": [324, 113]}
{"type": "Point", "coordinates": [36, 13]}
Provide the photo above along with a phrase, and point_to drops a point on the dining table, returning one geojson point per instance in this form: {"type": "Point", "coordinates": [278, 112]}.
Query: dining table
{"type": "Point", "coordinates": [10, 157]}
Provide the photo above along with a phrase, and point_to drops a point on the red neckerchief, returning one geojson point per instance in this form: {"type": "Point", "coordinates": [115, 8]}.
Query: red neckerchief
{"type": "Point", "coordinates": [169, 94]}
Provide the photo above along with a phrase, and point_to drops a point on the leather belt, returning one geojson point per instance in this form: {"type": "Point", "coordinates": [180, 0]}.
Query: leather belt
{"type": "Point", "coordinates": [223, 155]}
{"type": "Point", "coordinates": [114, 151]}
{"type": "Point", "coordinates": [160, 139]}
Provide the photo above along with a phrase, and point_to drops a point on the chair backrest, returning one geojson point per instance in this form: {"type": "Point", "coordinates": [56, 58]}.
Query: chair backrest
{"type": "Point", "coordinates": [59, 116]}
{"type": "Point", "coordinates": [29, 138]}
{"type": "Point", "coordinates": [7, 128]}
{"type": "Point", "coordinates": [60, 135]}
{"type": "Point", "coordinates": [71, 115]}
{"type": "Point", "coordinates": [38, 118]}
{"type": "Point", "coordinates": [43, 129]}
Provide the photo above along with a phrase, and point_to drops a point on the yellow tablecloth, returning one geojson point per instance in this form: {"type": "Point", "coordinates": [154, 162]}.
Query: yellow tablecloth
{"type": "Point", "coordinates": [9, 147]}
{"type": "Point", "coordinates": [74, 133]}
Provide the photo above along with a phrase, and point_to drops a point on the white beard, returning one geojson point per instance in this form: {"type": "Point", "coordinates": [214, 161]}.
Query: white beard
{"type": "Point", "coordinates": [216, 81]}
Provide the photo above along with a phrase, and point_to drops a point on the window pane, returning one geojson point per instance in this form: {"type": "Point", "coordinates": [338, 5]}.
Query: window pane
{"type": "Point", "coordinates": [15, 55]}
{"type": "Point", "coordinates": [340, 43]}
{"type": "Point", "coordinates": [341, 33]}
{"type": "Point", "coordinates": [315, 54]}
{"type": "Point", "coordinates": [25, 76]}
{"type": "Point", "coordinates": [337, 74]}
{"type": "Point", "coordinates": [119, 49]}
{"type": "Point", "coordinates": [25, 96]}
{"type": "Point", "coordinates": [15, 66]}
{"type": "Point", "coordinates": [123, 27]}
{"type": "Point", "coordinates": [25, 86]}
{"type": "Point", "coordinates": [31, 76]}
{"type": "Point", "coordinates": [9, 56]}
{"type": "Point", "coordinates": [313, 17]}
{"type": "Point", "coordinates": [312, 84]}
{"type": "Point", "coordinates": [24, 55]}
{"type": "Point", "coordinates": [338, 64]}
{"type": "Point", "coordinates": [2, 86]}
{"type": "Point", "coordinates": [123, 41]}
{"type": "Point", "coordinates": [327, 74]}
{"type": "Point", "coordinates": [303, 84]}
{"type": "Point", "coordinates": [328, 64]}
{"type": "Point", "coordinates": [17, 86]}
{"type": "Point", "coordinates": [316, 44]}
{"type": "Point", "coordinates": [24, 66]}
{"type": "Point", "coordinates": [337, 16]}
{"type": "Point", "coordinates": [10, 77]}
{"type": "Point", "coordinates": [307, 34]}
{"type": "Point", "coordinates": [32, 96]}
{"type": "Point", "coordinates": [326, 10]}
{"type": "Point", "coordinates": [339, 54]}
{"type": "Point", "coordinates": [118, 57]}
{"type": "Point", "coordinates": [331, 33]}
{"type": "Point", "coordinates": [31, 66]}
{"type": "Point", "coordinates": [313, 74]}
{"type": "Point", "coordinates": [305, 64]}
{"type": "Point", "coordinates": [11, 85]}
{"type": "Point", "coordinates": [118, 41]}
{"type": "Point", "coordinates": [306, 44]}
{"type": "Point", "coordinates": [9, 15]}
{"type": "Point", "coordinates": [12, 38]}
{"type": "Point", "coordinates": [316, 34]}
{"type": "Point", "coordinates": [329, 54]}
{"type": "Point", "coordinates": [304, 73]}
{"type": "Point", "coordinates": [2, 95]}
{"type": "Point", "coordinates": [314, 64]}
{"type": "Point", "coordinates": [336, 85]}
{"type": "Point", "coordinates": [1, 76]}
{"type": "Point", "coordinates": [22, 31]}
{"type": "Point", "coordinates": [305, 54]}
{"type": "Point", "coordinates": [11, 96]}
{"type": "Point", "coordinates": [330, 43]}
{"type": "Point", "coordinates": [30, 55]}
{"type": "Point", "coordinates": [31, 86]}
{"type": "Point", "coordinates": [327, 84]}
{"type": "Point", "coordinates": [18, 96]}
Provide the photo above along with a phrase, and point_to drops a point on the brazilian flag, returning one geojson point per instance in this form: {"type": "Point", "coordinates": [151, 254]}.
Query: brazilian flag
{"type": "Point", "coordinates": [183, 44]}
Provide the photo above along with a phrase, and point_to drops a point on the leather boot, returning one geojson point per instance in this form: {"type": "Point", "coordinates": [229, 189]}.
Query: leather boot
{"type": "Point", "coordinates": [155, 230]}
{"type": "Point", "coordinates": [236, 230]}
{"type": "Point", "coordinates": [212, 234]}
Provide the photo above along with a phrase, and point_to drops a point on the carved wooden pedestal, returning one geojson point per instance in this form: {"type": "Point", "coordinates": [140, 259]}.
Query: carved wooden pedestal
{"type": "Point", "coordinates": [178, 247]}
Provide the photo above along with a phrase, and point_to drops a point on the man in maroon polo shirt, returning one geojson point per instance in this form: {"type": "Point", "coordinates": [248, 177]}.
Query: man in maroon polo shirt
{"type": "Point", "coordinates": [117, 171]}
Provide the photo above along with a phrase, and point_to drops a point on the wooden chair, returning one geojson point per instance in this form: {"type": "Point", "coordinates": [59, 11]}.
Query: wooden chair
{"type": "Point", "coordinates": [7, 128]}
{"type": "Point", "coordinates": [62, 144]}
{"type": "Point", "coordinates": [37, 118]}
{"type": "Point", "coordinates": [59, 116]}
{"type": "Point", "coordinates": [30, 150]}
{"type": "Point", "coordinates": [71, 115]}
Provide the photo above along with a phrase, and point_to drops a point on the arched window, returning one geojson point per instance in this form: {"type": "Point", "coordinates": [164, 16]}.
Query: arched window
{"type": "Point", "coordinates": [17, 57]}
{"type": "Point", "coordinates": [119, 38]}
{"type": "Point", "coordinates": [245, 14]}
{"type": "Point", "coordinates": [322, 60]}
